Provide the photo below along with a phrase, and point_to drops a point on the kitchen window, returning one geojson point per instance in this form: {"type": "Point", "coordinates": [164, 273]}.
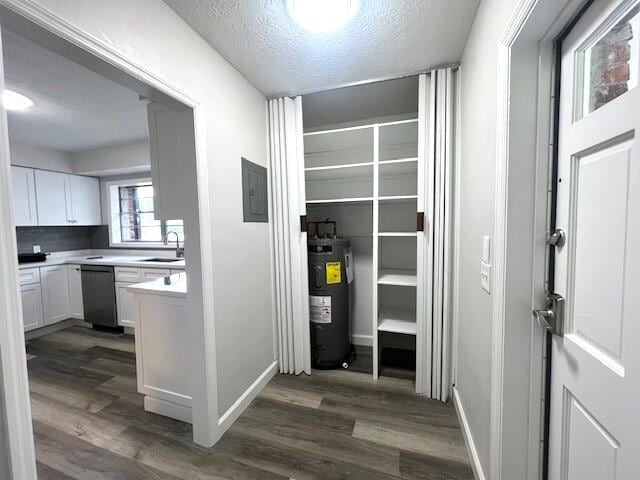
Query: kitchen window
{"type": "Point", "coordinates": [132, 217]}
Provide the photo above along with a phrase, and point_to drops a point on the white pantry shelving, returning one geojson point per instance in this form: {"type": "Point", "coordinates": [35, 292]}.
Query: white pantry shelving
{"type": "Point", "coordinates": [366, 178]}
{"type": "Point", "coordinates": [398, 277]}
{"type": "Point", "coordinates": [397, 320]}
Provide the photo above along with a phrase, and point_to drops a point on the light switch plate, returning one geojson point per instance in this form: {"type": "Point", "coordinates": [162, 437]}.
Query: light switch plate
{"type": "Point", "coordinates": [36, 249]}
{"type": "Point", "coordinates": [486, 249]}
{"type": "Point", "coordinates": [485, 277]}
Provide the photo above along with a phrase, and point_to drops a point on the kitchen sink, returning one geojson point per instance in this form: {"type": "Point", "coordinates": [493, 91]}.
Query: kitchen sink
{"type": "Point", "coordinates": [163, 260]}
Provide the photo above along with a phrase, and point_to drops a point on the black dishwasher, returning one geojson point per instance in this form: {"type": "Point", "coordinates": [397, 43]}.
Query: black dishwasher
{"type": "Point", "coordinates": [99, 295]}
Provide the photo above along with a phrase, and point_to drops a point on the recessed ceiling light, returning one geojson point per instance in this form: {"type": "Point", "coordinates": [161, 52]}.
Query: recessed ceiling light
{"type": "Point", "coordinates": [14, 101]}
{"type": "Point", "coordinates": [322, 16]}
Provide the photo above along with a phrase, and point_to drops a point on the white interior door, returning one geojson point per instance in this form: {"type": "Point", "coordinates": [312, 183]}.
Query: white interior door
{"type": "Point", "coordinates": [595, 387]}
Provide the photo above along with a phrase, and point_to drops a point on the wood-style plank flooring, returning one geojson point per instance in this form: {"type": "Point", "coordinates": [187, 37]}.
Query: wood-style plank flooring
{"type": "Point", "coordinates": [89, 423]}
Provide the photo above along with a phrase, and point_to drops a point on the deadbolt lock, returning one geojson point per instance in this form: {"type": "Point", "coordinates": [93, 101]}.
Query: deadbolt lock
{"type": "Point", "coordinates": [558, 238]}
{"type": "Point", "coordinates": [551, 318]}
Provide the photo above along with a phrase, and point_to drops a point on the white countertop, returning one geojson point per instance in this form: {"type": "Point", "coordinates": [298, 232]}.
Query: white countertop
{"type": "Point", "coordinates": [173, 286]}
{"type": "Point", "coordinates": [129, 259]}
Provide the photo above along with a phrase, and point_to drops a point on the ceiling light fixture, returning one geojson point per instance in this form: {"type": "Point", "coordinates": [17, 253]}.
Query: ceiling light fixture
{"type": "Point", "coordinates": [14, 101]}
{"type": "Point", "coordinates": [322, 16]}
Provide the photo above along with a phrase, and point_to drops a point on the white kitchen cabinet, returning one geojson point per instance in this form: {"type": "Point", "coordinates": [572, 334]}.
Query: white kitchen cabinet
{"type": "Point", "coordinates": [64, 199]}
{"type": "Point", "coordinates": [51, 195]}
{"type": "Point", "coordinates": [162, 354]}
{"type": "Point", "coordinates": [171, 146]}
{"type": "Point", "coordinates": [84, 200]}
{"type": "Point", "coordinates": [55, 293]}
{"type": "Point", "coordinates": [31, 306]}
{"type": "Point", "coordinates": [74, 275]}
{"type": "Point", "coordinates": [126, 306]}
{"type": "Point", "coordinates": [24, 196]}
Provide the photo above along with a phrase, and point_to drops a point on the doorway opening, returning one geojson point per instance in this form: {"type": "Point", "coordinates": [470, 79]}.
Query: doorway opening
{"type": "Point", "coordinates": [100, 205]}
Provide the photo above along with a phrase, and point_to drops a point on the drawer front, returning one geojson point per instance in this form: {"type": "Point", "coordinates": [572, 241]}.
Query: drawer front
{"type": "Point", "coordinates": [29, 276]}
{"type": "Point", "coordinates": [153, 273]}
{"type": "Point", "coordinates": [128, 274]}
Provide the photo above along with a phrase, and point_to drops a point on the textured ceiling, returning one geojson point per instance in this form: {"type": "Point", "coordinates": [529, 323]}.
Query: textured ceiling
{"type": "Point", "coordinates": [75, 108]}
{"type": "Point", "coordinates": [386, 38]}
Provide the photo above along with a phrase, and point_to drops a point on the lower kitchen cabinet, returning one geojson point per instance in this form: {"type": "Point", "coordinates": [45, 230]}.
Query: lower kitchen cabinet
{"type": "Point", "coordinates": [76, 309]}
{"type": "Point", "coordinates": [31, 306]}
{"type": "Point", "coordinates": [55, 293]}
{"type": "Point", "coordinates": [126, 306]}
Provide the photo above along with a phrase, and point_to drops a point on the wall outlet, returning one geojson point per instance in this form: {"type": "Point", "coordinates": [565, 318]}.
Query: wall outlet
{"type": "Point", "coordinates": [36, 249]}
{"type": "Point", "coordinates": [485, 277]}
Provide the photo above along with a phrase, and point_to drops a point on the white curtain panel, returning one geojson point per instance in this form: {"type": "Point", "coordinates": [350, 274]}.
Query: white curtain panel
{"type": "Point", "coordinates": [436, 115]}
{"type": "Point", "coordinates": [289, 243]}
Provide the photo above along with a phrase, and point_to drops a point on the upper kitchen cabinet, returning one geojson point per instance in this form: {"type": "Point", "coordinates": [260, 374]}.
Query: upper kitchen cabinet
{"type": "Point", "coordinates": [85, 200]}
{"type": "Point", "coordinates": [64, 199]}
{"type": "Point", "coordinates": [51, 193]}
{"type": "Point", "coordinates": [172, 150]}
{"type": "Point", "coordinates": [24, 196]}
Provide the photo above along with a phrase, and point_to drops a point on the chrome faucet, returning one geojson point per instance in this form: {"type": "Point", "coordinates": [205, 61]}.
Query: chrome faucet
{"type": "Point", "coordinates": [179, 250]}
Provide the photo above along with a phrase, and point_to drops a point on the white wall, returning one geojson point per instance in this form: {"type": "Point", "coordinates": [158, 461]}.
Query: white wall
{"type": "Point", "coordinates": [5, 471]}
{"type": "Point", "coordinates": [114, 160]}
{"type": "Point", "coordinates": [477, 185]}
{"type": "Point", "coordinates": [33, 156]}
{"type": "Point", "coordinates": [149, 33]}
{"type": "Point", "coordinates": [125, 159]}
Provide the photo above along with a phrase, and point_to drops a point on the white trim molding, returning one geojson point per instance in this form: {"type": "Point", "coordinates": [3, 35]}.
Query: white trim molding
{"type": "Point", "coordinates": [522, 163]}
{"type": "Point", "coordinates": [478, 473]}
{"type": "Point", "coordinates": [241, 404]}
{"type": "Point", "coordinates": [363, 340]}
{"type": "Point", "coordinates": [15, 419]}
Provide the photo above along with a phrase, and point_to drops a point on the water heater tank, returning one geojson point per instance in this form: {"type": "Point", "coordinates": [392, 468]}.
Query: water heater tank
{"type": "Point", "coordinates": [330, 300]}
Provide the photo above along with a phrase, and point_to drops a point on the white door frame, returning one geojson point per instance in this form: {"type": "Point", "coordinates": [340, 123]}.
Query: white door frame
{"type": "Point", "coordinates": [15, 401]}
{"type": "Point", "coordinates": [205, 399]}
{"type": "Point", "coordinates": [525, 88]}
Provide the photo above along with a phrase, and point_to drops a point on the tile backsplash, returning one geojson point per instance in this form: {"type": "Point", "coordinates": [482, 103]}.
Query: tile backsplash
{"type": "Point", "coordinates": [57, 239]}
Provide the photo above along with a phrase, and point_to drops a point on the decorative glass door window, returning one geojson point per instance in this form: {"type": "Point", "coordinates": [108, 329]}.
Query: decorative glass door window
{"type": "Point", "coordinates": [609, 66]}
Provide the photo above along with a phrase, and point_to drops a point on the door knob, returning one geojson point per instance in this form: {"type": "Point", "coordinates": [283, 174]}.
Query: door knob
{"type": "Point", "coordinates": [551, 318]}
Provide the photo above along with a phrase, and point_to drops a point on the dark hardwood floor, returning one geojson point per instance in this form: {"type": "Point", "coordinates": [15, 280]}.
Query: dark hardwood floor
{"type": "Point", "coordinates": [89, 423]}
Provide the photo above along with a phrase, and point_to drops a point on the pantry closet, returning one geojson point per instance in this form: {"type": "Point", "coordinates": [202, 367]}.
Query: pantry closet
{"type": "Point", "coordinates": [378, 160]}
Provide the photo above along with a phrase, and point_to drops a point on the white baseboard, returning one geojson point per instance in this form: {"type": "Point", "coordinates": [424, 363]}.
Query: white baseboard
{"type": "Point", "coordinates": [364, 340]}
{"type": "Point", "coordinates": [46, 330]}
{"type": "Point", "coordinates": [478, 473]}
{"type": "Point", "coordinates": [231, 415]}
{"type": "Point", "coordinates": [168, 409]}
